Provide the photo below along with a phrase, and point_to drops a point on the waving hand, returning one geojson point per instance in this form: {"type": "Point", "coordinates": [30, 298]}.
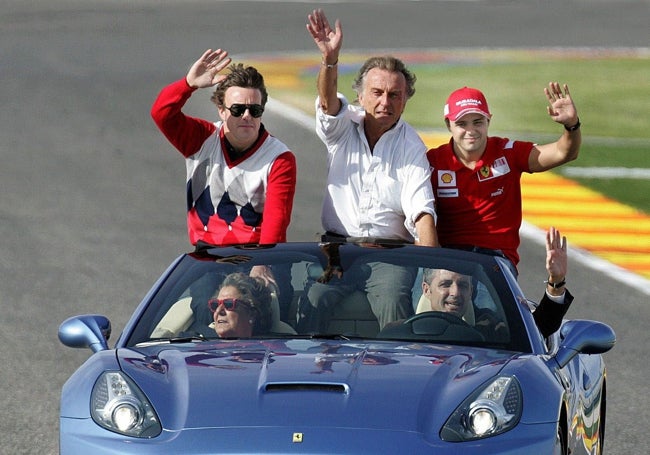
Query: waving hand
{"type": "Point", "coordinates": [328, 40]}
{"type": "Point", "coordinates": [205, 71]}
{"type": "Point", "coordinates": [561, 107]}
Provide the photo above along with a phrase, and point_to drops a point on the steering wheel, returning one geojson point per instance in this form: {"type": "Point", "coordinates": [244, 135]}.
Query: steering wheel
{"type": "Point", "coordinates": [441, 324]}
{"type": "Point", "coordinates": [449, 317]}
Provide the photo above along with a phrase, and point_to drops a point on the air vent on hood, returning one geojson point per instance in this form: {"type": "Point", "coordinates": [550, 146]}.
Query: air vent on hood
{"type": "Point", "coordinates": [306, 386]}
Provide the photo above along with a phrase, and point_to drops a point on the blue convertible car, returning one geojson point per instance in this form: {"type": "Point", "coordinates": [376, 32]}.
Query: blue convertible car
{"type": "Point", "coordinates": [213, 361]}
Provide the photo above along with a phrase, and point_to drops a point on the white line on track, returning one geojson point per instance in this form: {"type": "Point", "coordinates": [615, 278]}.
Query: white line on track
{"type": "Point", "coordinates": [606, 172]}
{"type": "Point", "coordinates": [587, 259]}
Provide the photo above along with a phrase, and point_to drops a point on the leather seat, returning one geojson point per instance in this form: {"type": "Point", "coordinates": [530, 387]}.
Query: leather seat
{"type": "Point", "coordinates": [354, 316]}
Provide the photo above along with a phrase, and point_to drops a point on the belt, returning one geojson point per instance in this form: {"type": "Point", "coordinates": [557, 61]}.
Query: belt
{"type": "Point", "coordinates": [333, 237]}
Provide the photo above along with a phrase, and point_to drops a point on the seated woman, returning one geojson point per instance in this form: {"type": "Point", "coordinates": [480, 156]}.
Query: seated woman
{"type": "Point", "coordinates": [241, 307]}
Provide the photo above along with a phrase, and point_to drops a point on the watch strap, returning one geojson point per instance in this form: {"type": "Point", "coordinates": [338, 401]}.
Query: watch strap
{"type": "Point", "coordinates": [574, 127]}
{"type": "Point", "coordinates": [556, 285]}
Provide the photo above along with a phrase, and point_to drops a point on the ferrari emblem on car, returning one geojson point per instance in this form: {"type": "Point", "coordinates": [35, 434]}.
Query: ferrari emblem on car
{"type": "Point", "coordinates": [297, 437]}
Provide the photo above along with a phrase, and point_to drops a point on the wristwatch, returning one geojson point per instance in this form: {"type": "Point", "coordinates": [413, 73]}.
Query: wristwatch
{"type": "Point", "coordinates": [574, 127]}
{"type": "Point", "coordinates": [555, 285]}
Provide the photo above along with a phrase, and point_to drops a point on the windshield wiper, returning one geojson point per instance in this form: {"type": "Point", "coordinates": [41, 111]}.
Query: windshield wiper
{"type": "Point", "coordinates": [329, 336]}
{"type": "Point", "coordinates": [172, 340]}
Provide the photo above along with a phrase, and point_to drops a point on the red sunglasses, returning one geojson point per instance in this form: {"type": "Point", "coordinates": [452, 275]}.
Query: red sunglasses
{"type": "Point", "coordinates": [228, 304]}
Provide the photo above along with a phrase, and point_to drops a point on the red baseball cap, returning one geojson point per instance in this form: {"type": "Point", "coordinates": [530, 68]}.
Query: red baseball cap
{"type": "Point", "coordinates": [466, 101]}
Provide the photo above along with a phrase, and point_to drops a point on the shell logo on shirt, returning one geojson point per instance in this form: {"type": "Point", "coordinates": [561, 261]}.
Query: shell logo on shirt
{"type": "Point", "coordinates": [446, 178]}
{"type": "Point", "coordinates": [446, 184]}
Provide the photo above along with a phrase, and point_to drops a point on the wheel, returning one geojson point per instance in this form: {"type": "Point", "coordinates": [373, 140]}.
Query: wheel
{"type": "Point", "coordinates": [450, 318]}
{"type": "Point", "coordinates": [443, 326]}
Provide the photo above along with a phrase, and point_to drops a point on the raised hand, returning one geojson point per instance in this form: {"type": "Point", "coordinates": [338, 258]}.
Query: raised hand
{"type": "Point", "coordinates": [328, 40]}
{"type": "Point", "coordinates": [205, 71]}
{"type": "Point", "coordinates": [561, 107]}
{"type": "Point", "coordinates": [556, 255]}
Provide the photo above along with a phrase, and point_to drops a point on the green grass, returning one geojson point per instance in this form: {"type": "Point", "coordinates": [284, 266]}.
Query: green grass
{"type": "Point", "coordinates": [633, 192]}
{"type": "Point", "coordinates": [611, 92]}
{"type": "Point", "coordinates": [612, 97]}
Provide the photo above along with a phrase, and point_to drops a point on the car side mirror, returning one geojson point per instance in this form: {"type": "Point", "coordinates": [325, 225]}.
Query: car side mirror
{"type": "Point", "coordinates": [583, 337]}
{"type": "Point", "coordinates": [87, 331]}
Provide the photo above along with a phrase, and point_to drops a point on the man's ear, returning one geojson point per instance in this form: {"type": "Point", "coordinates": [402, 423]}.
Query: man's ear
{"type": "Point", "coordinates": [222, 113]}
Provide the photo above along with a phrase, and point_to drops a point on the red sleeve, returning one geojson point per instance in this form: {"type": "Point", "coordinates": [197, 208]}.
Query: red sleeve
{"type": "Point", "coordinates": [279, 199]}
{"type": "Point", "coordinates": [517, 152]}
{"type": "Point", "coordinates": [523, 157]}
{"type": "Point", "coordinates": [185, 133]}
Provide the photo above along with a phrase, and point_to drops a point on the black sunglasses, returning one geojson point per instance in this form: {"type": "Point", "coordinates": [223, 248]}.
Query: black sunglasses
{"type": "Point", "coordinates": [228, 304]}
{"type": "Point", "coordinates": [238, 110]}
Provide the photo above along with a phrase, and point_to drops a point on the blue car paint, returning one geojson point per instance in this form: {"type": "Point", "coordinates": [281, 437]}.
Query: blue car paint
{"type": "Point", "coordinates": [297, 395]}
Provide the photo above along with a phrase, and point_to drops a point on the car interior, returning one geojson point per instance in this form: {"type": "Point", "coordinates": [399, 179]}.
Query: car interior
{"type": "Point", "coordinates": [181, 309]}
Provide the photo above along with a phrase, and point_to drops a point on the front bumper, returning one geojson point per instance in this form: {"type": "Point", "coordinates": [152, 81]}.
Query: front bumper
{"type": "Point", "coordinates": [84, 436]}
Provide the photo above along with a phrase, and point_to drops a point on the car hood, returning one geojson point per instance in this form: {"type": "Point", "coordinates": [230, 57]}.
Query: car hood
{"type": "Point", "coordinates": [308, 383]}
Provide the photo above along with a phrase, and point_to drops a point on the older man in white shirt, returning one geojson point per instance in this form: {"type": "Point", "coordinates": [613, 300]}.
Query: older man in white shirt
{"type": "Point", "coordinates": [378, 182]}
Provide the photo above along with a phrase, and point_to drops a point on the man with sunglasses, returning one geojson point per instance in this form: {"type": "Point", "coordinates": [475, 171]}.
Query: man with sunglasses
{"type": "Point", "coordinates": [241, 180]}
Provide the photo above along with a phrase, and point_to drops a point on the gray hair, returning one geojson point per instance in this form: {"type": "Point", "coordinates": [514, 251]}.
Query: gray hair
{"type": "Point", "coordinates": [388, 63]}
{"type": "Point", "coordinates": [255, 291]}
{"type": "Point", "coordinates": [428, 275]}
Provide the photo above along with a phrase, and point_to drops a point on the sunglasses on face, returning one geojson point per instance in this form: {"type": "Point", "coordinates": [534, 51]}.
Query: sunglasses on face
{"type": "Point", "coordinates": [228, 304]}
{"type": "Point", "coordinates": [237, 110]}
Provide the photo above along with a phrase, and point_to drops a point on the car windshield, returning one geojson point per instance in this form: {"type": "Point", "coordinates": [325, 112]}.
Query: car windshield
{"type": "Point", "coordinates": [335, 290]}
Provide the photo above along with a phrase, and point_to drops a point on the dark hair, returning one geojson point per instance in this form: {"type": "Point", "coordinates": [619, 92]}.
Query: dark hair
{"type": "Point", "coordinates": [388, 63]}
{"type": "Point", "coordinates": [255, 291]}
{"type": "Point", "coordinates": [240, 76]}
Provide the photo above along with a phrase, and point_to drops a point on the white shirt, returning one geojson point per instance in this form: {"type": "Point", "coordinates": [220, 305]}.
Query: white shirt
{"type": "Point", "coordinates": [373, 194]}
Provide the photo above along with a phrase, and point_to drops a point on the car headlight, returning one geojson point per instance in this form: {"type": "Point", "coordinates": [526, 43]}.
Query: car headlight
{"type": "Point", "coordinates": [492, 409]}
{"type": "Point", "coordinates": [118, 405]}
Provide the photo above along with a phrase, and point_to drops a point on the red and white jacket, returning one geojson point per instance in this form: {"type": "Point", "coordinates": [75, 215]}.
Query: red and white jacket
{"type": "Point", "coordinates": [229, 202]}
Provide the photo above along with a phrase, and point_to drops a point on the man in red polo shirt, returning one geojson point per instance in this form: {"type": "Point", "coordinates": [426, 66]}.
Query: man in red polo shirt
{"type": "Point", "coordinates": [476, 178]}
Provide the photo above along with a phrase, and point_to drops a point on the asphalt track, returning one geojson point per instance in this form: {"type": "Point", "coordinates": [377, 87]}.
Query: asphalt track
{"type": "Point", "coordinates": [92, 204]}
